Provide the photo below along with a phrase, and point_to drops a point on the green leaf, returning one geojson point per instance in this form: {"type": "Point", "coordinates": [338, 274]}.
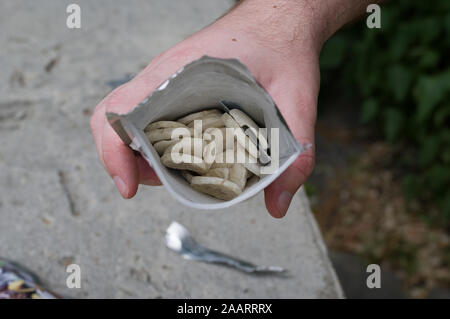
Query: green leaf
{"type": "Point", "coordinates": [442, 114]}
{"type": "Point", "coordinates": [429, 59]}
{"type": "Point", "coordinates": [399, 45]}
{"type": "Point", "coordinates": [438, 178]}
{"type": "Point", "coordinates": [411, 186]}
{"type": "Point", "coordinates": [429, 151]}
{"type": "Point", "coordinates": [445, 207]}
{"type": "Point", "coordinates": [429, 92]}
{"type": "Point", "coordinates": [333, 52]}
{"type": "Point", "coordinates": [393, 124]}
{"type": "Point", "coordinates": [446, 23]}
{"type": "Point", "coordinates": [425, 58]}
{"type": "Point", "coordinates": [399, 80]}
{"type": "Point", "coordinates": [445, 156]}
{"type": "Point", "coordinates": [369, 111]}
{"type": "Point", "coordinates": [428, 29]}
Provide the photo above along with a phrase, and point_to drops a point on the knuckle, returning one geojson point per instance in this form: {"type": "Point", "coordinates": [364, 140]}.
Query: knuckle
{"type": "Point", "coordinates": [304, 165]}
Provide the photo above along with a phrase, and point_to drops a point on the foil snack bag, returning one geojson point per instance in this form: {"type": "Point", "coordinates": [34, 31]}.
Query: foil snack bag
{"type": "Point", "coordinates": [204, 84]}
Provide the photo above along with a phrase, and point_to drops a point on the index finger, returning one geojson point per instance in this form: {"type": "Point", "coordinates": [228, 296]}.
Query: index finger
{"type": "Point", "coordinates": [117, 158]}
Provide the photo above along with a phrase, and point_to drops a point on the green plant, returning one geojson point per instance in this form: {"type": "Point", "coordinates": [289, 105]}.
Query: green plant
{"type": "Point", "coordinates": [401, 74]}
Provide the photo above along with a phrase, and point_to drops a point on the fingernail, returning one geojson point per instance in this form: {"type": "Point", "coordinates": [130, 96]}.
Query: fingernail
{"type": "Point", "coordinates": [121, 186]}
{"type": "Point", "coordinates": [283, 202]}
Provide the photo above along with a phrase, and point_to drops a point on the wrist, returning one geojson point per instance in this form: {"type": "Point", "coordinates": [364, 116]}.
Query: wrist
{"type": "Point", "coordinates": [283, 25]}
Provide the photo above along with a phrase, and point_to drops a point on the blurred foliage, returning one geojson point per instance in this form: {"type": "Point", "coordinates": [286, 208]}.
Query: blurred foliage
{"type": "Point", "coordinates": [401, 74]}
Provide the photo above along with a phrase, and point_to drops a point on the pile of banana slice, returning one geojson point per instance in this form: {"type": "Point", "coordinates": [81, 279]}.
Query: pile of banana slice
{"type": "Point", "coordinates": [210, 162]}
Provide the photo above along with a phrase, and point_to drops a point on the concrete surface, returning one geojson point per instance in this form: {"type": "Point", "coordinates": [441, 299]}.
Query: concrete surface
{"type": "Point", "coordinates": [351, 270]}
{"type": "Point", "coordinates": [58, 206]}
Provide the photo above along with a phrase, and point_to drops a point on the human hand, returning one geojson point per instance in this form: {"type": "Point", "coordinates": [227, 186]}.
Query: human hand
{"type": "Point", "coordinates": [283, 59]}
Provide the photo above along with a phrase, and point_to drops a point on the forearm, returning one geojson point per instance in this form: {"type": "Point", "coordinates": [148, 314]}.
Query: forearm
{"type": "Point", "coordinates": [295, 21]}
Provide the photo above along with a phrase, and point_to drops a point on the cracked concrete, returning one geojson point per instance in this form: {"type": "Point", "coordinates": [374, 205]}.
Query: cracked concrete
{"type": "Point", "coordinates": [58, 206]}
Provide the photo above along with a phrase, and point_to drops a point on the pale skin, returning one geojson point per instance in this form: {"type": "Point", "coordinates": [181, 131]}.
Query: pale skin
{"type": "Point", "coordinates": [279, 42]}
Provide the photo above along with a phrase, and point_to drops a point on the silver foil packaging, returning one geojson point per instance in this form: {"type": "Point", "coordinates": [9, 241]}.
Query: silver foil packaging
{"type": "Point", "coordinates": [205, 84]}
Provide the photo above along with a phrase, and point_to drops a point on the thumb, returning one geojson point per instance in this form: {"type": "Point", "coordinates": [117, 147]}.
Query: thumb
{"type": "Point", "coordinates": [298, 106]}
{"type": "Point", "coordinates": [279, 194]}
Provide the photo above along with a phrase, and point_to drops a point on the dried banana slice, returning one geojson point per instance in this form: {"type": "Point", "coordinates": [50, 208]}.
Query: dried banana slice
{"type": "Point", "coordinates": [210, 152]}
{"type": "Point", "coordinates": [229, 121]}
{"type": "Point", "coordinates": [250, 162]}
{"type": "Point", "coordinates": [198, 115]}
{"type": "Point", "coordinates": [163, 124]}
{"type": "Point", "coordinates": [215, 186]}
{"type": "Point", "coordinates": [252, 181]}
{"type": "Point", "coordinates": [238, 175]}
{"type": "Point", "coordinates": [161, 146]}
{"type": "Point", "coordinates": [245, 122]}
{"type": "Point", "coordinates": [249, 159]}
{"type": "Point", "coordinates": [187, 176]}
{"type": "Point", "coordinates": [225, 159]}
{"type": "Point", "coordinates": [229, 158]}
{"type": "Point", "coordinates": [254, 168]}
{"type": "Point", "coordinates": [208, 122]}
{"type": "Point", "coordinates": [218, 135]}
{"type": "Point", "coordinates": [239, 134]}
{"type": "Point", "coordinates": [243, 119]}
{"type": "Point", "coordinates": [187, 162]}
{"type": "Point", "coordinates": [245, 141]}
{"type": "Point", "coordinates": [187, 145]}
{"type": "Point", "coordinates": [219, 172]}
{"type": "Point", "coordinates": [221, 165]}
{"type": "Point", "coordinates": [168, 133]}
{"type": "Point", "coordinates": [236, 155]}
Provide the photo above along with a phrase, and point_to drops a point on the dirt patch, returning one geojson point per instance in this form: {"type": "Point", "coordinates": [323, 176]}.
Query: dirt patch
{"type": "Point", "coordinates": [361, 208]}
